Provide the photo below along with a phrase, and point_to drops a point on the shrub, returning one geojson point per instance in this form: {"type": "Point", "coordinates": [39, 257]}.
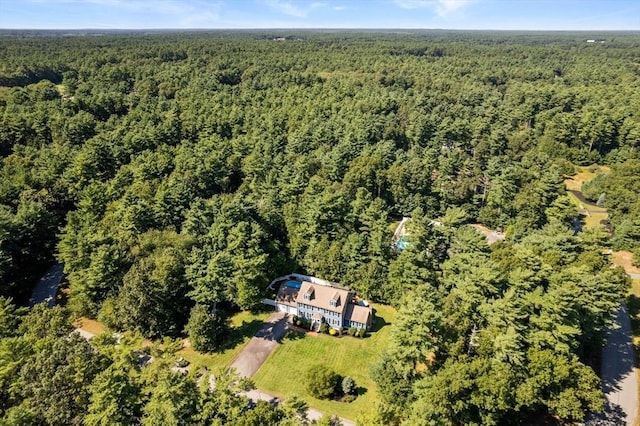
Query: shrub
{"type": "Point", "coordinates": [362, 332]}
{"type": "Point", "coordinates": [321, 382]}
{"type": "Point", "coordinates": [299, 322]}
{"type": "Point", "coordinates": [349, 398]}
{"type": "Point", "coordinates": [306, 323]}
{"type": "Point", "coordinates": [295, 319]}
{"type": "Point", "coordinates": [324, 327]}
{"type": "Point", "coordinates": [352, 331]}
{"type": "Point", "coordinates": [348, 385]}
{"type": "Point", "coordinates": [181, 362]}
{"type": "Point", "coordinates": [333, 332]}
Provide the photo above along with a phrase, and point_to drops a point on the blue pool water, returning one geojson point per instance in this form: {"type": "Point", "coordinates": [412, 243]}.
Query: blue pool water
{"type": "Point", "coordinates": [293, 284]}
{"type": "Point", "coordinates": [402, 244]}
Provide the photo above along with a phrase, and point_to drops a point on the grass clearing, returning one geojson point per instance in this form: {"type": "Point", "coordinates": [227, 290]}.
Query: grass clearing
{"type": "Point", "coordinates": [92, 326]}
{"type": "Point", "coordinates": [592, 213]}
{"type": "Point", "coordinates": [625, 259]}
{"type": "Point", "coordinates": [62, 89]}
{"type": "Point", "coordinates": [283, 371]}
{"type": "Point", "coordinates": [245, 325]}
{"type": "Point", "coordinates": [583, 206]}
{"type": "Point", "coordinates": [584, 175]}
{"type": "Point", "coordinates": [593, 219]}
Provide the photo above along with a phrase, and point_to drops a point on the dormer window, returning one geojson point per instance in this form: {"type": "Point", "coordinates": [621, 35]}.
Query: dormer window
{"type": "Point", "coordinates": [308, 294]}
{"type": "Point", "coordinates": [335, 300]}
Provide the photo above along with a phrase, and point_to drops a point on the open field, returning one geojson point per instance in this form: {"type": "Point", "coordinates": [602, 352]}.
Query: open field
{"type": "Point", "coordinates": [593, 219]}
{"type": "Point", "coordinates": [92, 326]}
{"type": "Point", "coordinates": [283, 371]}
{"type": "Point", "coordinates": [583, 175]}
{"type": "Point", "coordinates": [624, 259]}
{"type": "Point", "coordinates": [584, 206]}
{"type": "Point", "coordinates": [592, 214]}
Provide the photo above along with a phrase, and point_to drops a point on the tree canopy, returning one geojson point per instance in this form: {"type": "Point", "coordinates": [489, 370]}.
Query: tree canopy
{"type": "Point", "coordinates": [175, 174]}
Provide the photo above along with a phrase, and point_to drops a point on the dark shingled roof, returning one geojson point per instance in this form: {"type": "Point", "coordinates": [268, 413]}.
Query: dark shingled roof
{"type": "Point", "coordinates": [287, 296]}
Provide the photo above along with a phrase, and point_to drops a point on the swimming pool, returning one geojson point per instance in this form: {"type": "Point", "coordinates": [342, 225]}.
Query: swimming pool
{"type": "Point", "coordinates": [293, 284]}
{"type": "Point", "coordinates": [402, 243]}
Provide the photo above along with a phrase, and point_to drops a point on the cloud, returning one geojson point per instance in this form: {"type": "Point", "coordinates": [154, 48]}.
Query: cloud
{"type": "Point", "coordinates": [200, 19]}
{"type": "Point", "coordinates": [164, 7]}
{"type": "Point", "coordinates": [288, 8]}
{"type": "Point", "coordinates": [441, 7]}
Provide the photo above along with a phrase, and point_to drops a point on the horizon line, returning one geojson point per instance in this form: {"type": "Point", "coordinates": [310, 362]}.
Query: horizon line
{"type": "Point", "coordinates": [173, 29]}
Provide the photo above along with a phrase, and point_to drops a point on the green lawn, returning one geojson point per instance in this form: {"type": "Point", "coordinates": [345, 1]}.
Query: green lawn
{"type": "Point", "coordinates": [245, 325]}
{"type": "Point", "coordinates": [584, 175]}
{"type": "Point", "coordinates": [596, 213]}
{"type": "Point", "coordinates": [594, 219]}
{"type": "Point", "coordinates": [283, 371]}
{"type": "Point", "coordinates": [62, 89]}
{"type": "Point", "coordinates": [591, 207]}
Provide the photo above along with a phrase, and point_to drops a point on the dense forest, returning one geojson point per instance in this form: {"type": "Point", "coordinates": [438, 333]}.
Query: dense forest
{"type": "Point", "coordinates": [175, 174]}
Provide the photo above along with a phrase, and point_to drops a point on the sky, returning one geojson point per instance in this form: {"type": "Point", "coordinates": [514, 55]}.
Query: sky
{"type": "Point", "coordinates": [590, 15]}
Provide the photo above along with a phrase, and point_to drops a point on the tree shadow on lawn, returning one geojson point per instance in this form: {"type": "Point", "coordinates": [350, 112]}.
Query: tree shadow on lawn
{"type": "Point", "coordinates": [261, 308]}
{"type": "Point", "coordinates": [378, 322]}
{"type": "Point", "coordinates": [359, 391]}
{"type": "Point", "coordinates": [238, 334]}
{"type": "Point", "coordinates": [293, 335]}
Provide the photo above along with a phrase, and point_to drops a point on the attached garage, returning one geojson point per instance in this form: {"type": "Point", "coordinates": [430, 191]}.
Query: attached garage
{"type": "Point", "coordinates": [286, 299]}
{"type": "Point", "coordinates": [291, 310]}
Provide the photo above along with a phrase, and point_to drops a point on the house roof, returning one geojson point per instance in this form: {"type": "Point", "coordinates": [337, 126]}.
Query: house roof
{"type": "Point", "coordinates": [287, 295]}
{"type": "Point", "coordinates": [357, 313]}
{"type": "Point", "coordinates": [321, 295]}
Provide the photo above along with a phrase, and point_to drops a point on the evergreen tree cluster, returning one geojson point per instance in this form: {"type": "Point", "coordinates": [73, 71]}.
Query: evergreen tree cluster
{"type": "Point", "coordinates": [175, 175]}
